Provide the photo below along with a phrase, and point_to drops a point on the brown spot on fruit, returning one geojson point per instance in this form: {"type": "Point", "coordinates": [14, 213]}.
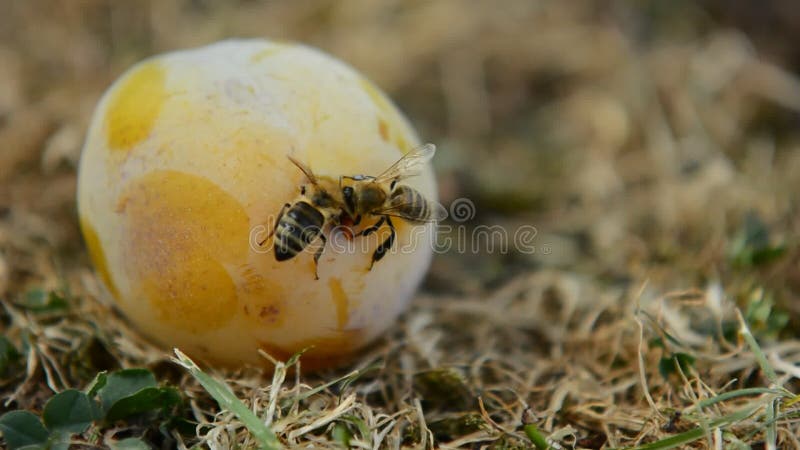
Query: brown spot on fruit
{"type": "Point", "coordinates": [268, 311]}
{"type": "Point", "coordinates": [261, 297]}
{"type": "Point", "coordinates": [134, 106]}
{"type": "Point", "coordinates": [183, 231]}
{"type": "Point", "coordinates": [98, 256]}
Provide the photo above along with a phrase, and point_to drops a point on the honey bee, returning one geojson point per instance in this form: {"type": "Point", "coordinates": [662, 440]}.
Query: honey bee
{"type": "Point", "coordinates": [326, 202]}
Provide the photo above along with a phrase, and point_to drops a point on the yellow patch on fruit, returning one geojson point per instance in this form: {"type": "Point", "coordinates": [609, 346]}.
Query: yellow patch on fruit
{"type": "Point", "coordinates": [401, 143]}
{"type": "Point", "coordinates": [134, 106]}
{"type": "Point", "coordinates": [193, 292]}
{"type": "Point", "coordinates": [267, 52]}
{"type": "Point", "coordinates": [98, 256]}
{"type": "Point", "coordinates": [376, 95]}
{"type": "Point", "coordinates": [182, 233]}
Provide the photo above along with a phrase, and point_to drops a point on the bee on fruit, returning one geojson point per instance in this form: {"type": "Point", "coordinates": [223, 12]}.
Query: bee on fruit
{"type": "Point", "coordinates": [327, 202]}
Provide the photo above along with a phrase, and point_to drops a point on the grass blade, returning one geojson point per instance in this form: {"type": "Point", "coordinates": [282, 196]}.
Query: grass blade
{"type": "Point", "coordinates": [730, 395]}
{"type": "Point", "coordinates": [227, 400]}
{"type": "Point", "coordinates": [538, 440]}
{"type": "Point", "coordinates": [694, 434]}
{"type": "Point", "coordinates": [766, 367]}
{"type": "Point", "coordinates": [771, 435]}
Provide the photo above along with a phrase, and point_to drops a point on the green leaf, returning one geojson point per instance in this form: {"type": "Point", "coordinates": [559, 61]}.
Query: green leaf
{"type": "Point", "coordinates": [764, 256]}
{"type": "Point", "coordinates": [363, 428]}
{"type": "Point", "coordinates": [123, 384]}
{"type": "Point", "coordinates": [59, 440]}
{"type": "Point", "coordinates": [227, 400]}
{"type": "Point", "coordinates": [147, 399]}
{"type": "Point", "coordinates": [69, 411]}
{"type": "Point", "coordinates": [130, 444]}
{"type": "Point", "coordinates": [656, 342]}
{"type": "Point", "coordinates": [39, 300]}
{"type": "Point", "coordinates": [8, 354]}
{"type": "Point", "coordinates": [22, 428]}
{"type": "Point", "coordinates": [99, 381]}
{"type": "Point", "coordinates": [180, 424]}
{"type": "Point", "coordinates": [342, 435]}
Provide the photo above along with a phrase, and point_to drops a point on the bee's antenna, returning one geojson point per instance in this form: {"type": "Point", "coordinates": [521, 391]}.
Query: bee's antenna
{"type": "Point", "coordinates": [305, 169]}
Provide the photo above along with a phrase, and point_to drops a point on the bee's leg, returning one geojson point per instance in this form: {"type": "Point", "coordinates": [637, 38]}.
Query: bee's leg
{"type": "Point", "coordinates": [318, 254]}
{"type": "Point", "coordinates": [280, 215]}
{"type": "Point", "coordinates": [369, 230]}
{"type": "Point", "coordinates": [380, 252]}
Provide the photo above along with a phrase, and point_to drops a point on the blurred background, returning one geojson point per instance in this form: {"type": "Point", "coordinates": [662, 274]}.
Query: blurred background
{"type": "Point", "coordinates": [654, 147]}
{"type": "Point", "coordinates": [634, 136]}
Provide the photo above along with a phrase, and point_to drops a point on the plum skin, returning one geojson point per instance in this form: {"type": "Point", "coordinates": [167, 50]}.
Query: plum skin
{"type": "Point", "coordinates": [186, 156]}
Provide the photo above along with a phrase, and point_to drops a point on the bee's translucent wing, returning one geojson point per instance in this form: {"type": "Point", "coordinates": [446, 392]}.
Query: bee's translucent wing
{"type": "Point", "coordinates": [434, 212]}
{"type": "Point", "coordinates": [409, 165]}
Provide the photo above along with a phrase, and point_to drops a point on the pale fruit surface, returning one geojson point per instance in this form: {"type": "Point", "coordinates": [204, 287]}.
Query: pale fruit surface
{"type": "Point", "coordinates": [187, 155]}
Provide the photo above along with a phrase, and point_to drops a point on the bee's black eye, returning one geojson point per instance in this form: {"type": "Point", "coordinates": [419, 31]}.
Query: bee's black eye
{"type": "Point", "coordinates": [303, 190]}
{"type": "Point", "coordinates": [349, 193]}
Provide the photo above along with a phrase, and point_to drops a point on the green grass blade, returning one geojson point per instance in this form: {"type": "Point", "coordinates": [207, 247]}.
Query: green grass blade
{"type": "Point", "coordinates": [732, 394]}
{"type": "Point", "coordinates": [766, 367]}
{"type": "Point", "coordinates": [538, 440]}
{"type": "Point", "coordinates": [227, 400]}
{"type": "Point", "coordinates": [697, 433]}
{"type": "Point", "coordinates": [771, 434]}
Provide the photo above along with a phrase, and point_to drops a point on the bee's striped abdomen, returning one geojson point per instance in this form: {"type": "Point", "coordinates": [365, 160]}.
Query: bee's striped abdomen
{"type": "Point", "coordinates": [298, 227]}
{"type": "Point", "coordinates": [410, 204]}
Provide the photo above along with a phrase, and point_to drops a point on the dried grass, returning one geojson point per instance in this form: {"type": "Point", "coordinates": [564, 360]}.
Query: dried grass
{"type": "Point", "coordinates": [635, 152]}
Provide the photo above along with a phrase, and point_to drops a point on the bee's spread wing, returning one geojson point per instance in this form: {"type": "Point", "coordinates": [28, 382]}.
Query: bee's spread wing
{"type": "Point", "coordinates": [409, 165]}
{"type": "Point", "coordinates": [435, 212]}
